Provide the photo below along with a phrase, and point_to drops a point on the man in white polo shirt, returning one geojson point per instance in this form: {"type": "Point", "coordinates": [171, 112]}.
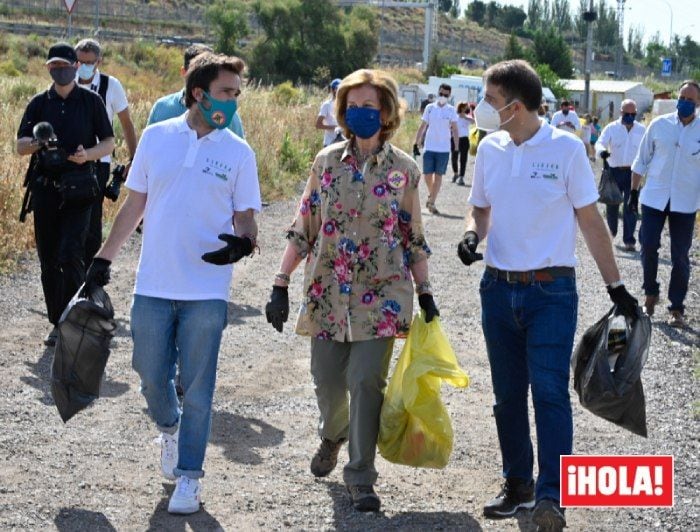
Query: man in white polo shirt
{"type": "Point", "coordinates": [113, 96]}
{"type": "Point", "coordinates": [566, 118]}
{"type": "Point", "coordinates": [532, 185]}
{"type": "Point", "coordinates": [618, 145]}
{"type": "Point", "coordinates": [439, 130]}
{"type": "Point", "coordinates": [191, 180]}
{"type": "Point", "coordinates": [669, 157]}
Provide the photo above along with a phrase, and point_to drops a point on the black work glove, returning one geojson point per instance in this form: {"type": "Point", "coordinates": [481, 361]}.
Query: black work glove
{"type": "Point", "coordinates": [427, 303]}
{"type": "Point", "coordinates": [416, 150]}
{"type": "Point", "coordinates": [626, 304]}
{"type": "Point", "coordinates": [466, 249]}
{"type": "Point", "coordinates": [98, 273]}
{"type": "Point", "coordinates": [235, 249]}
{"type": "Point", "coordinates": [277, 309]}
{"type": "Point", "coordinates": [634, 201]}
{"type": "Point", "coordinates": [604, 154]}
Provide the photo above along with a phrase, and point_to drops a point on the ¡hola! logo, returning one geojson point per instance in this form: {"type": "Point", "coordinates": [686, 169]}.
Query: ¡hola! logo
{"type": "Point", "coordinates": [616, 481]}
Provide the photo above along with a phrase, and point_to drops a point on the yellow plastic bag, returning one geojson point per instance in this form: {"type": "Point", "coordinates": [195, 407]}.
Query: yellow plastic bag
{"type": "Point", "coordinates": [473, 141]}
{"type": "Point", "coordinates": [414, 426]}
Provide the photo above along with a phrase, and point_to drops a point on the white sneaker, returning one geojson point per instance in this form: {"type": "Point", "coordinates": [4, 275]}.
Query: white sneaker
{"type": "Point", "coordinates": [187, 496]}
{"type": "Point", "coordinates": [168, 454]}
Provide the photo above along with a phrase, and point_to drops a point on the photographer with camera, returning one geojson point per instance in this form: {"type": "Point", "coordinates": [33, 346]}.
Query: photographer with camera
{"type": "Point", "coordinates": [75, 133]}
{"type": "Point", "coordinates": [89, 53]}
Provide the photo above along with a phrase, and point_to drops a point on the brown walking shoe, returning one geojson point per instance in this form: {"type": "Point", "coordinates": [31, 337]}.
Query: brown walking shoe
{"type": "Point", "coordinates": [326, 457]}
{"type": "Point", "coordinates": [649, 304]}
{"type": "Point", "coordinates": [676, 319]}
{"type": "Point", "coordinates": [364, 498]}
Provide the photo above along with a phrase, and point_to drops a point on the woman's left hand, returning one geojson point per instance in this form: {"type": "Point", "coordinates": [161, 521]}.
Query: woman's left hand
{"type": "Point", "coordinates": [427, 303]}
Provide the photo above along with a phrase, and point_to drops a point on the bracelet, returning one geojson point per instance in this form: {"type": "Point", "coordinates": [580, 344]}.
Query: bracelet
{"type": "Point", "coordinates": [424, 288]}
{"type": "Point", "coordinates": [283, 277]}
{"type": "Point", "coordinates": [614, 285]}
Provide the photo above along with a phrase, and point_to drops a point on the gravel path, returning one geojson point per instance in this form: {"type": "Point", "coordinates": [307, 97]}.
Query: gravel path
{"type": "Point", "coordinates": [100, 471]}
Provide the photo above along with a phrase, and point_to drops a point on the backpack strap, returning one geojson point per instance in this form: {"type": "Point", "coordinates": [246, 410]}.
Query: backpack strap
{"type": "Point", "coordinates": [104, 84]}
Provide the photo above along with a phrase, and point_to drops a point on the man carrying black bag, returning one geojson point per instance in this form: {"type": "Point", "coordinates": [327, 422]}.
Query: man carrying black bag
{"type": "Point", "coordinates": [61, 183]}
{"type": "Point", "coordinates": [532, 187]}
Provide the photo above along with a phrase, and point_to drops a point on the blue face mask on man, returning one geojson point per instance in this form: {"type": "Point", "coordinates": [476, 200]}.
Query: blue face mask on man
{"type": "Point", "coordinates": [685, 108]}
{"type": "Point", "coordinates": [628, 118]}
{"type": "Point", "coordinates": [217, 113]}
{"type": "Point", "coordinates": [86, 71]}
{"type": "Point", "coordinates": [364, 122]}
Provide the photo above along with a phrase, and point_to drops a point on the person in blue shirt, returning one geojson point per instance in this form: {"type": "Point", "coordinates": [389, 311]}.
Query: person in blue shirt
{"type": "Point", "coordinates": [173, 104]}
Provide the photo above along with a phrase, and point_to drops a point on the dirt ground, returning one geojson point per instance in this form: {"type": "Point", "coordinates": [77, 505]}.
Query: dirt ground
{"type": "Point", "coordinates": [100, 470]}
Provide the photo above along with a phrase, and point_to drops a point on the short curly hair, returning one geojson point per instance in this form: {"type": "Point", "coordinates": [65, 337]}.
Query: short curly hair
{"type": "Point", "coordinates": [390, 104]}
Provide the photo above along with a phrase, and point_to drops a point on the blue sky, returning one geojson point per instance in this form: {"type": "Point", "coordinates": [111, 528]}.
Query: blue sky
{"type": "Point", "coordinates": [651, 16]}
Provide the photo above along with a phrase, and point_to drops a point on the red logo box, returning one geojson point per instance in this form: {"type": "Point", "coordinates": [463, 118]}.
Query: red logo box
{"type": "Point", "coordinates": [616, 481]}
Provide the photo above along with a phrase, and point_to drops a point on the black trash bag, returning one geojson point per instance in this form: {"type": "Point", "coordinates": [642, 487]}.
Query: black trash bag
{"type": "Point", "coordinates": [614, 394]}
{"type": "Point", "coordinates": [85, 330]}
{"type": "Point", "coordinates": [608, 191]}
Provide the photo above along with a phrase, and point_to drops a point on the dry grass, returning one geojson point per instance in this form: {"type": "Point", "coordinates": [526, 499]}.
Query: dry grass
{"type": "Point", "coordinates": [147, 72]}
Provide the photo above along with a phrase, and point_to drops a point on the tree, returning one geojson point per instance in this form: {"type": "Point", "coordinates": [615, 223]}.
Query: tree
{"type": "Point", "coordinates": [230, 21]}
{"type": "Point", "coordinates": [445, 5]}
{"type": "Point", "coordinates": [550, 49]}
{"type": "Point", "coordinates": [513, 50]}
{"type": "Point", "coordinates": [492, 9]}
{"type": "Point", "coordinates": [476, 12]}
{"type": "Point", "coordinates": [535, 13]}
{"type": "Point", "coordinates": [510, 19]}
{"type": "Point", "coordinates": [302, 36]}
{"type": "Point", "coordinates": [551, 80]}
{"type": "Point", "coordinates": [605, 31]}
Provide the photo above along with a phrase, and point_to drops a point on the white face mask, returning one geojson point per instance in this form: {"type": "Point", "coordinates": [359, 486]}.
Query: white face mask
{"type": "Point", "coordinates": [487, 118]}
{"type": "Point", "coordinates": [442, 100]}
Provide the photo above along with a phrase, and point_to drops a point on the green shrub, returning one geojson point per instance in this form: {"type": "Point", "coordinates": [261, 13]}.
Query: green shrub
{"type": "Point", "coordinates": [7, 68]}
{"type": "Point", "coordinates": [286, 94]}
{"type": "Point", "coordinates": [22, 91]}
{"type": "Point", "coordinates": [293, 157]}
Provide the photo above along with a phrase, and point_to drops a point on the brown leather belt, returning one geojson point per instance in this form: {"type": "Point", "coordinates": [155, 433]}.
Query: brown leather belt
{"type": "Point", "coordinates": [545, 275]}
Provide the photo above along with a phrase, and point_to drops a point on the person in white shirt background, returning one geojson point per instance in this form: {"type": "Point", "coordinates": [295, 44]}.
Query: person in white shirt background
{"type": "Point", "coordinates": [326, 120]}
{"type": "Point", "coordinates": [438, 132]}
{"type": "Point", "coordinates": [194, 182]}
{"type": "Point", "coordinates": [533, 185]}
{"type": "Point", "coordinates": [460, 153]}
{"type": "Point", "coordinates": [566, 118]}
{"type": "Point", "coordinates": [669, 157]}
{"type": "Point", "coordinates": [618, 145]}
{"type": "Point", "coordinates": [110, 89]}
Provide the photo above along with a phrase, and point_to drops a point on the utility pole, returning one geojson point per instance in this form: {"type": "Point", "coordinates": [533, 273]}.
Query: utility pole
{"type": "Point", "coordinates": [589, 16]}
{"type": "Point", "coordinates": [620, 38]}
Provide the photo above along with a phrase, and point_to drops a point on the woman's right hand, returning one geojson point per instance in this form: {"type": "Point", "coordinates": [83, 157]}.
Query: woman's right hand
{"type": "Point", "coordinates": [277, 309]}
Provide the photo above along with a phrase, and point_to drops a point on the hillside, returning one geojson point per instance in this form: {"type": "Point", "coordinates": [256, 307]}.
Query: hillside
{"type": "Point", "coordinates": [401, 36]}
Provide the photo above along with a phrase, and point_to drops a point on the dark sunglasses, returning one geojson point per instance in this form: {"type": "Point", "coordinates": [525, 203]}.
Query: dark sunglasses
{"type": "Point", "coordinates": [443, 94]}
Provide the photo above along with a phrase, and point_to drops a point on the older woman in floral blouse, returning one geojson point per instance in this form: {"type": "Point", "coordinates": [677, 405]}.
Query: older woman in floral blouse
{"type": "Point", "coordinates": [359, 228]}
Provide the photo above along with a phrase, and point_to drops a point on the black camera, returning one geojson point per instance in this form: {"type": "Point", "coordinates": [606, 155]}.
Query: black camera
{"type": "Point", "coordinates": [112, 190]}
{"type": "Point", "coordinates": [51, 157]}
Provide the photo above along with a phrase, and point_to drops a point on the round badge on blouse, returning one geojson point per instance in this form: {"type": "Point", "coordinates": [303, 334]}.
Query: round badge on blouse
{"type": "Point", "coordinates": [397, 179]}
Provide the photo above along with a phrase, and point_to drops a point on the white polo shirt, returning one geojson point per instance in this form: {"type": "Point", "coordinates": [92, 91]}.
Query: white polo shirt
{"type": "Point", "coordinates": [327, 111]}
{"type": "Point", "coordinates": [439, 120]}
{"type": "Point", "coordinates": [559, 118]}
{"type": "Point", "coordinates": [669, 156]}
{"type": "Point", "coordinates": [116, 99]}
{"type": "Point", "coordinates": [532, 190]}
{"type": "Point", "coordinates": [621, 144]}
{"type": "Point", "coordinates": [193, 187]}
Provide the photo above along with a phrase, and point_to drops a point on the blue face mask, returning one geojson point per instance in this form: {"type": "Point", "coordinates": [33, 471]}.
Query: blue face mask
{"type": "Point", "coordinates": [685, 108]}
{"type": "Point", "coordinates": [628, 118]}
{"type": "Point", "coordinates": [363, 121]}
{"type": "Point", "coordinates": [217, 113]}
{"type": "Point", "coordinates": [86, 71]}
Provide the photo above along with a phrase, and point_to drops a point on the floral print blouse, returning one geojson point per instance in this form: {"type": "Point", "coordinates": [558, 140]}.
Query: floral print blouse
{"type": "Point", "coordinates": [359, 229]}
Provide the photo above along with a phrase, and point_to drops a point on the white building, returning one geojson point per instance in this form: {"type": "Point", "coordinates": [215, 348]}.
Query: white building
{"type": "Point", "coordinates": [607, 95]}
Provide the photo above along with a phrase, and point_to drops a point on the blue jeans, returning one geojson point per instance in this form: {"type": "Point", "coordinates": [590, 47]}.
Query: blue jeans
{"type": "Point", "coordinates": [529, 331]}
{"type": "Point", "coordinates": [435, 162]}
{"type": "Point", "coordinates": [623, 178]}
{"type": "Point", "coordinates": [680, 228]}
{"type": "Point", "coordinates": [162, 330]}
